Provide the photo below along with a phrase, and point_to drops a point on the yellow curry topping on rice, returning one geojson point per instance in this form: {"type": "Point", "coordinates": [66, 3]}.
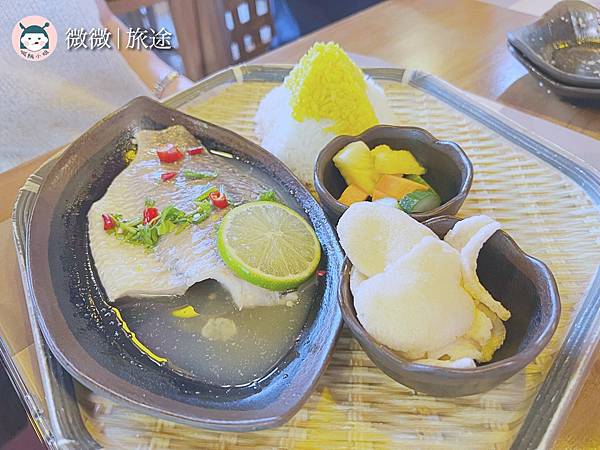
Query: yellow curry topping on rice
{"type": "Point", "coordinates": [324, 69]}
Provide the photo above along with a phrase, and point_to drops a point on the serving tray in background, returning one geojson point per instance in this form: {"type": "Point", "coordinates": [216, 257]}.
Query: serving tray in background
{"type": "Point", "coordinates": [545, 199]}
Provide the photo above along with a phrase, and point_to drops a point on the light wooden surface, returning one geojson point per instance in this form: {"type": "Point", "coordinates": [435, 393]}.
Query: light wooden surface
{"type": "Point", "coordinates": [462, 41]}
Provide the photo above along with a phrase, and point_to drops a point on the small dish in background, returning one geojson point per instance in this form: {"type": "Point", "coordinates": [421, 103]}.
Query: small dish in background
{"type": "Point", "coordinates": [449, 170]}
{"type": "Point", "coordinates": [580, 94]}
{"type": "Point", "coordinates": [564, 44]}
{"type": "Point", "coordinates": [525, 286]}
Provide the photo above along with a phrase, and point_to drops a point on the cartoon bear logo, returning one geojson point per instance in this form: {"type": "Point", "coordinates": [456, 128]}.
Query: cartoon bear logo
{"type": "Point", "coordinates": [34, 38]}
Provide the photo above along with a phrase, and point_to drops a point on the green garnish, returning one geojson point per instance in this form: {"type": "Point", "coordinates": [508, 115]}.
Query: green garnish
{"type": "Point", "coordinates": [191, 175]}
{"type": "Point", "coordinates": [268, 196]}
{"type": "Point", "coordinates": [419, 201]}
{"type": "Point", "coordinates": [202, 213]}
{"type": "Point", "coordinates": [418, 179]}
{"type": "Point", "coordinates": [207, 191]}
{"type": "Point", "coordinates": [134, 232]}
{"type": "Point", "coordinates": [170, 219]}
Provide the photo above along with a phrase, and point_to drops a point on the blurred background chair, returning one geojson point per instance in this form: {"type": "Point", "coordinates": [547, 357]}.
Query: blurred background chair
{"type": "Point", "coordinates": [212, 34]}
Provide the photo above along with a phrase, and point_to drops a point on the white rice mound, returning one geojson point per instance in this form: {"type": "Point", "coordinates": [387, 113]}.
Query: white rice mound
{"type": "Point", "coordinates": [298, 144]}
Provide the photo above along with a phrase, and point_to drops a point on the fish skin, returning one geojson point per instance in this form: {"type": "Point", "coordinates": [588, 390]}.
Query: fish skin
{"type": "Point", "coordinates": [178, 260]}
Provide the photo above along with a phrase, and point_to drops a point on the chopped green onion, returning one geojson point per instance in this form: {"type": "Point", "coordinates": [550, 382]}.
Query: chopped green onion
{"type": "Point", "coordinates": [191, 175]}
{"type": "Point", "coordinates": [209, 188]}
{"type": "Point", "coordinates": [202, 213]}
{"type": "Point", "coordinates": [173, 214]}
{"type": "Point", "coordinates": [170, 219]}
{"type": "Point", "coordinates": [268, 196]}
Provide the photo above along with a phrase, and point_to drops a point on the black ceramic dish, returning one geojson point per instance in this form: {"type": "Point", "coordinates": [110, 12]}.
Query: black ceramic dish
{"type": "Point", "coordinates": [83, 333]}
{"type": "Point", "coordinates": [564, 44]}
{"type": "Point", "coordinates": [579, 94]}
{"type": "Point", "coordinates": [449, 170]}
{"type": "Point", "coordinates": [523, 284]}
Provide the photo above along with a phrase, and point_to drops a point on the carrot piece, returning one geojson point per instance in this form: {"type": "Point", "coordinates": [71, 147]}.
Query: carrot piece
{"type": "Point", "coordinates": [378, 194]}
{"type": "Point", "coordinates": [396, 186]}
{"type": "Point", "coordinates": [352, 194]}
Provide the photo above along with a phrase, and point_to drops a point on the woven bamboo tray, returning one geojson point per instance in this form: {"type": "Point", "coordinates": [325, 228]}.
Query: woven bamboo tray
{"type": "Point", "coordinates": [547, 202]}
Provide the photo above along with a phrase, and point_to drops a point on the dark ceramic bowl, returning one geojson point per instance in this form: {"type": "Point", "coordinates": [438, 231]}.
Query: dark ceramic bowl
{"type": "Point", "coordinates": [525, 286]}
{"type": "Point", "coordinates": [563, 44]}
{"type": "Point", "coordinates": [85, 335]}
{"type": "Point", "coordinates": [574, 93]}
{"type": "Point", "coordinates": [449, 170]}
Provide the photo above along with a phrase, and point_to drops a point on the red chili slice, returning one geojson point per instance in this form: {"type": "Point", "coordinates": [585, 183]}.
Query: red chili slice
{"type": "Point", "coordinates": [195, 151]}
{"type": "Point", "coordinates": [150, 214]}
{"type": "Point", "coordinates": [321, 273]}
{"type": "Point", "coordinates": [168, 176]}
{"type": "Point", "coordinates": [109, 222]}
{"type": "Point", "coordinates": [218, 199]}
{"type": "Point", "coordinates": [169, 154]}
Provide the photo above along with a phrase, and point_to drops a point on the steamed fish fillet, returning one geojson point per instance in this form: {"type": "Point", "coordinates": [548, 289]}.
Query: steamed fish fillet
{"type": "Point", "coordinates": [178, 260]}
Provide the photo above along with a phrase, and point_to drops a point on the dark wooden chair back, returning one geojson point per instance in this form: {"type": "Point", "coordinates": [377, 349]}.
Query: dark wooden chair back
{"type": "Point", "coordinates": [213, 34]}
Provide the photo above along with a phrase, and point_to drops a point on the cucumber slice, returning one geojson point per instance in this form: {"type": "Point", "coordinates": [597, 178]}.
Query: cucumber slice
{"type": "Point", "coordinates": [419, 201]}
{"type": "Point", "coordinates": [387, 201]}
{"type": "Point", "coordinates": [418, 179]}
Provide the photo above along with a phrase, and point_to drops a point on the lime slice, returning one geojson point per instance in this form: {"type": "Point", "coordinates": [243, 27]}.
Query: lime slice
{"type": "Point", "coordinates": [269, 245]}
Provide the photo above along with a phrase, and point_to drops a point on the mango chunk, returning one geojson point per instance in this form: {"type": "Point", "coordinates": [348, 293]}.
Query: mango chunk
{"type": "Point", "coordinates": [380, 149]}
{"type": "Point", "coordinates": [396, 162]}
{"type": "Point", "coordinates": [352, 194]}
{"type": "Point", "coordinates": [396, 187]}
{"type": "Point", "coordinates": [356, 166]}
{"type": "Point", "coordinates": [185, 312]}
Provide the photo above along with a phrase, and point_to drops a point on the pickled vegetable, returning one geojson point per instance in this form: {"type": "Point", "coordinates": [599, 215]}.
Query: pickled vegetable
{"type": "Point", "coordinates": [419, 201]}
{"type": "Point", "coordinates": [397, 162]}
{"type": "Point", "coordinates": [396, 187]}
{"type": "Point", "coordinates": [352, 194]}
{"type": "Point", "coordinates": [356, 166]}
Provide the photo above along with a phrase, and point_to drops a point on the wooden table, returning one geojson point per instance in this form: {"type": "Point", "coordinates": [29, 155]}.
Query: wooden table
{"type": "Point", "coordinates": [464, 42]}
